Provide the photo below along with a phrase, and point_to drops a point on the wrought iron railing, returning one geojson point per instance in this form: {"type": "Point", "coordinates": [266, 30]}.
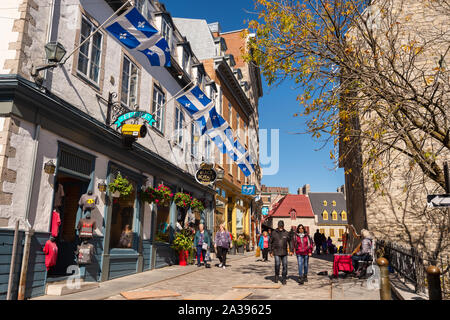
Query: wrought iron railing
{"type": "Point", "coordinates": [411, 265]}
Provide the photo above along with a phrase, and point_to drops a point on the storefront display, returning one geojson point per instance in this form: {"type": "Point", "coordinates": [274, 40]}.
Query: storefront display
{"type": "Point", "coordinates": [88, 201]}
{"type": "Point", "coordinates": [51, 253]}
{"type": "Point", "coordinates": [85, 253]}
{"type": "Point", "coordinates": [56, 222]}
{"type": "Point", "coordinates": [86, 227]}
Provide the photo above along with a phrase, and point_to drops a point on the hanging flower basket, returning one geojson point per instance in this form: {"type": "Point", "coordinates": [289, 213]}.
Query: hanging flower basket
{"type": "Point", "coordinates": [197, 205]}
{"type": "Point", "coordinates": [120, 187]}
{"type": "Point", "coordinates": [182, 200]}
{"type": "Point", "coordinates": [163, 195]}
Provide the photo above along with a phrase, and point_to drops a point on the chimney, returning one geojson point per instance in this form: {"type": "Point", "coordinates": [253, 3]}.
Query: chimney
{"type": "Point", "coordinates": [299, 191]}
{"type": "Point", "coordinates": [341, 189]}
{"type": "Point", "coordinates": [306, 189]}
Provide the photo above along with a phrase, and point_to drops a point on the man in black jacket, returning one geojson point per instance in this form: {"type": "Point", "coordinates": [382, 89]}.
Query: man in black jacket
{"type": "Point", "coordinates": [278, 243]}
{"type": "Point", "coordinates": [318, 241]}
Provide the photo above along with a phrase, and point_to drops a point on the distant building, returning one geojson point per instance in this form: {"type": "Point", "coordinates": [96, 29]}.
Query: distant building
{"type": "Point", "coordinates": [271, 196]}
{"type": "Point", "coordinates": [281, 211]}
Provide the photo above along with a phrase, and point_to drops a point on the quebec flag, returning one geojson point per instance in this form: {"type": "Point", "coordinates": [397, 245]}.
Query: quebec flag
{"type": "Point", "coordinates": [137, 34]}
{"type": "Point", "coordinates": [203, 111]}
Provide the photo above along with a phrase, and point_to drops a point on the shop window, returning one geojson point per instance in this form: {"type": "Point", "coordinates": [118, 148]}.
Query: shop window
{"type": "Point", "coordinates": [334, 215]}
{"type": "Point", "coordinates": [166, 32]}
{"type": "Point", "coordinates": [344, 215]}
{"type": "Point", "coordinates": [162, 224]}
{"type": "Point", "coordinates": [129, 83]}
{"type": "Point", "coordinates": [90, 52]}
{"type": "Point", "coordinates": [123, 216]}
{"type": "Point", "coordinates": [322, 231]}
{"type": "Point", "coordinates": [325, 215]}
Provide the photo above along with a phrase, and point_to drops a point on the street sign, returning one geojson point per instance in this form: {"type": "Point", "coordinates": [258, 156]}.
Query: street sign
{"type": "Point", "coordinates": [206, 174]}
{"type": "Point", "coordinates": [438, 200]}
{"type": "Point", "coordinates": [248, 189]}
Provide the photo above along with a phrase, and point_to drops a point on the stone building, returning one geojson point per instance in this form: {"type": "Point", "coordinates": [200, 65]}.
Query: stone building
{"type": "Point", "coordinates": [238, 89]}
{"type": "Point", "coordinates": [395, 207]}
{"type": "Point", "coordinates": [65, 121]}
{"type": "Point", "coordinates": [270, 196]}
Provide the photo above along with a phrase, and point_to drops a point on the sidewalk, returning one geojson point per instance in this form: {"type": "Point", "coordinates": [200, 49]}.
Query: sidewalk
{"type": "Point", "coordinates": [113, 287]}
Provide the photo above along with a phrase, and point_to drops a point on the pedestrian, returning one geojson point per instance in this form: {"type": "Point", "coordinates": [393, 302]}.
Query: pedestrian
{"type": "Point", "coordinates": [324, 243]}
{"type": "Point", "coordinates": [303, 246]}
{"type": "Point", "coordinates": [330, 245]}
{"type": "Point", "coordinates": [318, 241]}
{"type": "Point", "coordinates": [264, 245]}
{"type": "Point", "coordinates": [278, 246]}
{"type": "Point", "coordinates": [202, 241]}
{"type": "Point", "coordinates": [222, 244]}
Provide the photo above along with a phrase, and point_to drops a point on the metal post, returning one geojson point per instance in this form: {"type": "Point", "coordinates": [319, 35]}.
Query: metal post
{"type": "Point", "coordinates": [13, 260]}
{"type": "Point", "coordinates": [23, 272]}
{"type": "Point", "coordinates": [434, 283]}
{"type": "Point", "coordinates": [385, 284]}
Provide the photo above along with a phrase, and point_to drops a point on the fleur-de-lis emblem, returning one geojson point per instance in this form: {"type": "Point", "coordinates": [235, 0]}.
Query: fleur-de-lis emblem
{"type": "Point", "coordinates": [201, 96]}
{"type": "Point", "coordinates": [187, 104]}
{"type": "Point", "coordinates": [141, 24]}
{"type": "Point", "coordinates": [123, 36]}
{"type": "Point", "coordinates": [167, 50]}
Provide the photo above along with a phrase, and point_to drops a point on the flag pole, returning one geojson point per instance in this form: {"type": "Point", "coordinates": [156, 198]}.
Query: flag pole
{"type": "Point", "coordinates": [173, 97]}
{"type": "Point", "coordinates": [96, 30]}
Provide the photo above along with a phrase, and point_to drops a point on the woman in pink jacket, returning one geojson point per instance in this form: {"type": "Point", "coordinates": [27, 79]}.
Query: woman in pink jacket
{"type": "Point", "coordinates": [303, 246]}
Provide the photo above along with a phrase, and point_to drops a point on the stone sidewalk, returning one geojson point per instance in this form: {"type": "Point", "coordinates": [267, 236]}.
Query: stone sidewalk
{"type": "Point", "coordinates": [241, 270]}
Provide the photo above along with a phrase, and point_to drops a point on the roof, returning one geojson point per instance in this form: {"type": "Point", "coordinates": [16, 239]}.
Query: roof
{"type": "Point", "coordinates": [321, 201]}
{"type": "Point", "coordinates": [300, 203]}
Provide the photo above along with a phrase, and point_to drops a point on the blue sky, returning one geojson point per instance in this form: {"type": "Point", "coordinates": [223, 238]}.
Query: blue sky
{"type": "Point", "coordinates": [299, 162]}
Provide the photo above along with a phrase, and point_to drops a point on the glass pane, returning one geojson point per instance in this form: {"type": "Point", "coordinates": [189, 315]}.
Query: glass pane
{"type": "Point", "coordinates": [82, 64]}
{"type": "Point", "coordinates": [133, 85]}
{"type": "Point", "coordinates": [125, 81]}
{"type": "Point", "coordinates": [85, 29]}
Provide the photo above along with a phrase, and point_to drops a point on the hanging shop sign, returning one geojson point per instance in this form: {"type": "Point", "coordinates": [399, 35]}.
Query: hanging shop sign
{"type": "Point", "coordinates": [248, 189]}
{"type": "Point", "coordinates": [135, 130]}
{"type": "Point", "coordinates": [265, 211]}
{"type": "Point", "coordinates": [206, 174]}
{"type": "Point", "coordinates": [134, 114]}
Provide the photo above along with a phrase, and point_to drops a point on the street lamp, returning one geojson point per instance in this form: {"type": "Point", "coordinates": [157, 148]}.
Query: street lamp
{"type": "Point", "coordinates": [102, 186]}
{"type": "Point", "coordinates": [54, 52]}
{"type": "Point", "coordinates": [49, 167]}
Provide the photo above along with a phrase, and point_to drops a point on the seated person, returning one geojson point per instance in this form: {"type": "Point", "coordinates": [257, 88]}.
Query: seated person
{"type": "Point", "coordinates": [126, 239]}
{"type": "Point", "coordinates": [362, 252]}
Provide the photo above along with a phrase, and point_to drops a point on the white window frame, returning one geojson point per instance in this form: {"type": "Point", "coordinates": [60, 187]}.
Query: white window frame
{"type": "Point", "coordinates": [129, 96]}
{"type": "Point", "coordinates": [143, 7]}
{"type": "Point", "coordinates": [219, 102]}
{"type": "Point", "coordinates": [179, 123]}
{"type": "Point", "coordinates": [158, 102]}
{"type": "Point", "coordinates": [166, 31]}
{"type": "Point", "coordinates": [194, 144]}
{"type": "Point", "coordinates": [90, 44]}
{"type": "Point", "coordinates": [207, 149]}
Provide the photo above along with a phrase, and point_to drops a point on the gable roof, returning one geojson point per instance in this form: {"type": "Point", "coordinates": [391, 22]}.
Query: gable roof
{"type": "Point", "coordinates": [300, 203]}
{"type": "Point", "coordinates": [317, 202]}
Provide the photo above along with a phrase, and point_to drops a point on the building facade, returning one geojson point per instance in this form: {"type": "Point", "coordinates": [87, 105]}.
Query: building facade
{"type": "Point", "coordinates": [270, 197]}
{"type": "Point", "coordinates": [238, 88]}
{"type": "Point", "coordinates": [66, 121]}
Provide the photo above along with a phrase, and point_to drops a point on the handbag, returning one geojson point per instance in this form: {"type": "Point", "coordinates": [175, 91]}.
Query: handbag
{"type": "Point", "coordinates": [204, 246]}
{"type": "Point", "coordinates": [258, 252]}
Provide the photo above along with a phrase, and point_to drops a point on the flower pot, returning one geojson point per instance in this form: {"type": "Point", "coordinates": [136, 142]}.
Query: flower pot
{"type": "Point", "coordinates": [116, 194]}
{"type": "Point", "coordinates": [183, 256]}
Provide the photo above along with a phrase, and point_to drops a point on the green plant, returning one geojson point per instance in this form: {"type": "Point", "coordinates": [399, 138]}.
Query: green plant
{"type": "Point", "coordinates": [148, 195]}
{"type": "Point", "coordinates": [182, 199]}
{"type": "Point", "coordinates": [163, 195]}
{"type": "Point", "coordinates": [197, 205]}
{"type": "Point", "coordinates": [183, 241]}
{"type": "Point", "coordinates": [121, 185]}
{"type": "Point", "coordinates": [161, 237]}
{"type": "Point", "coordinates": [240, 242]}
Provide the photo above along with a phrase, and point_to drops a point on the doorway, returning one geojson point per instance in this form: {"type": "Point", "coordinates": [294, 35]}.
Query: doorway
{"type": "Point", "coordinates": [70, 212]}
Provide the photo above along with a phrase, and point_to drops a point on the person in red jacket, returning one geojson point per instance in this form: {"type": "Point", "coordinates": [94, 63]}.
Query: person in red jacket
{"type": "Point", "coordinates": [303, 247]}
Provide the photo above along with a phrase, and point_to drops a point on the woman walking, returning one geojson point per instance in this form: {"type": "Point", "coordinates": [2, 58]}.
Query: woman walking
{"type": "Point", "coordinates": [264, 245]}
{"type": "Point", "coordinates": [202, 242]}
{"type": "Point", "coordinates": [222, 244]}
{"type": "Point", "coordinates": [303, 246]}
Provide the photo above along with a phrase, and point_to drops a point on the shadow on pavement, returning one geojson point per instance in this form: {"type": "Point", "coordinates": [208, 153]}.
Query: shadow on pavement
{"type": "Point", "coordinates": [324, 257]}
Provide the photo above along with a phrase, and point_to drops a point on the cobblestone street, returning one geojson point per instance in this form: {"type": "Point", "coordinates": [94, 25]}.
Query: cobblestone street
{"type": "Point", "coordinates": [249, 270]}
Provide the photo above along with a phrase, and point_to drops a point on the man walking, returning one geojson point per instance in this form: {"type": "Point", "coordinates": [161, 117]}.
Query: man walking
{"type": "Point", "coordinates": [278, 243]}
{"type": "Point", "coordinates": [318, 241]}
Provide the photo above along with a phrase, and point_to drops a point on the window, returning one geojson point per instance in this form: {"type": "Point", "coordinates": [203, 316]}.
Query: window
{"type": "Point", "coordinates": [331, 232]}
{"type": "Point", "coordinates": [212, 93]}
{"type": "Point", "coordinates": [325, 215]}
{"type": "Point", "coordinates": [159, 99]}
{"type": "Point", "coordinates": [194, 140]}
{"type": "Point", "coordinates": [208, 153]}
{"type": "Point", "coordinates": [185, 61]}
{"type": "Point", "coordinates": [90, 52]}
{"type": "Point", "coordinates": [344, 215]}
{"type": "Point", "coordinates": [200, 78]}
{"type": "Point", "coordinates": [334, 215]}
{"type": "Point", "coordinates": [322, 231]}
{"type": "Point", "coordinates": [325, 203]}
{"type": "Point", "coordinates": [237, 125]}
{"type": "Point", "coordinates": [334, 203]}
{"type": "Point", "coordinates": [166, 31]}
{"type": "Point", "coordinates": [219, 102]}
{"type": "Point", "coordinates": [179, 121]}
{"type": "Point", "coordinates": [341, 232]}
{"type": "Point", "coordinates": [129, 83]}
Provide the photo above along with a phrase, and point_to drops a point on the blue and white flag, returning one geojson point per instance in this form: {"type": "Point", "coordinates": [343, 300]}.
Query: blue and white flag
{"type": "Point", "coordinates": [138, 35]}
